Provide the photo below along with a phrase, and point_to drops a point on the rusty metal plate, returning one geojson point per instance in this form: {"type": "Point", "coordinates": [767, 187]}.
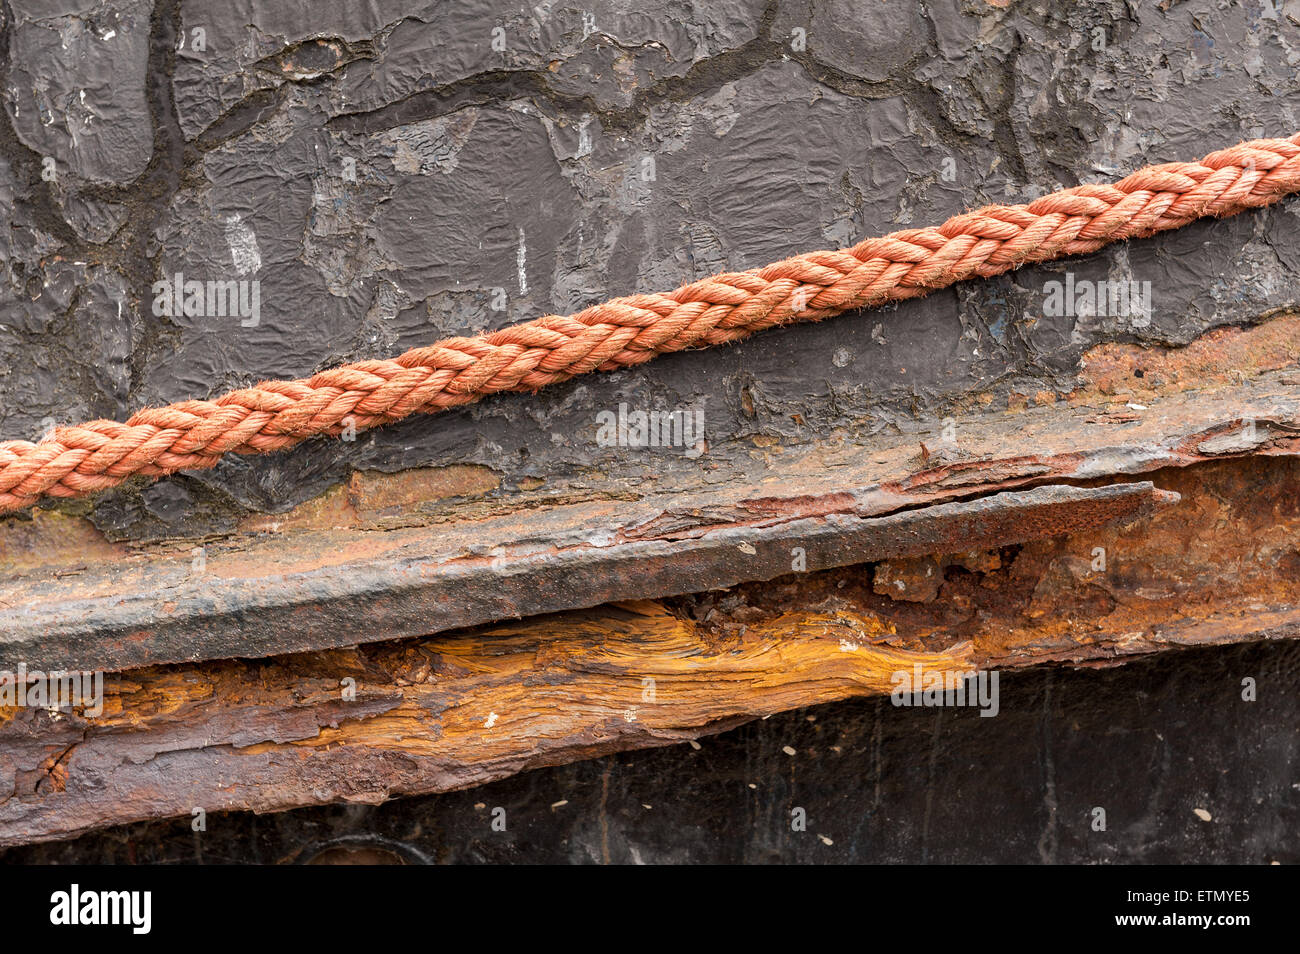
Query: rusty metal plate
{"type": "Point", "coordinates": [167, 613]}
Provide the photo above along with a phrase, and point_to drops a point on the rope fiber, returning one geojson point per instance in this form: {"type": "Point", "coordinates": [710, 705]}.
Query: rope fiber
{"type": "Point", "coordinates": [76, 460]}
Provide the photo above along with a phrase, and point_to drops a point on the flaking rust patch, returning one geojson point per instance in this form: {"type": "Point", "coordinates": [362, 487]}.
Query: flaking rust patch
{"type": "Point", "coordinates": [1221, 356]}
{"type": "Point", "coordinates": [914, 579]}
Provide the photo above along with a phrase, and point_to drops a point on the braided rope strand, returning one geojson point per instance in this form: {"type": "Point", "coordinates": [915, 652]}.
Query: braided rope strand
{"type": "Point", "coordinates": [73, 461]}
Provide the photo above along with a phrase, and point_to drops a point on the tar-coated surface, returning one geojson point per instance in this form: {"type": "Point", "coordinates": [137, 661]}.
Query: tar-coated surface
{"type": "Point", "coordinates": [590, 152]}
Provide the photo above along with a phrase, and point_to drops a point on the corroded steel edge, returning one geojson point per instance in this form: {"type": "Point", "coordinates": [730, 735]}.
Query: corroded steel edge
{"type": "Point", "coordinates": [408, 596]}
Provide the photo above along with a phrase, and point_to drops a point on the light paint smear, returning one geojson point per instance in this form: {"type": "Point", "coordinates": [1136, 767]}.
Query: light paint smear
{"type": "Point", "coordinates": [523, 256]}
{"type": "Point", "coordinates": [243, 245]}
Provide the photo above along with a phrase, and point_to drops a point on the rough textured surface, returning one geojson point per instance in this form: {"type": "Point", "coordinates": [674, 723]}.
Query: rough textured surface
{"type": "Point", "coordinates": [1151, 743]}
{"type": "Point", "coordinates": [600, 152]}
{"type": "Point", "coordinates": [458, 709]}
{"type": "Point", "coordinates": [311, 594]}
{"type": "Point", "coordinates": [432, 548]}
{"type": "Point", "coordinates": [390, 173]}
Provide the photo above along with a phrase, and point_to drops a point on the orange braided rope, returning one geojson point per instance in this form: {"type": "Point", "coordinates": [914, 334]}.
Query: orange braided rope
{"type": "Point", "coordinates": [77, 460]}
